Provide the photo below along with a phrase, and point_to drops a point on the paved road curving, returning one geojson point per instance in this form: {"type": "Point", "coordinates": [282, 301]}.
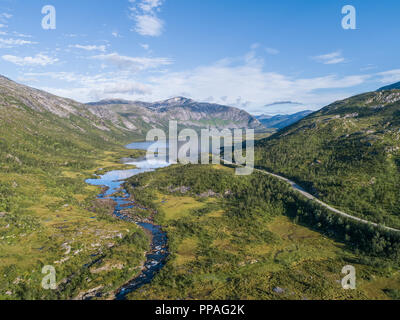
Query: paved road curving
{"type": "Point", "coordinates": [309, 196]}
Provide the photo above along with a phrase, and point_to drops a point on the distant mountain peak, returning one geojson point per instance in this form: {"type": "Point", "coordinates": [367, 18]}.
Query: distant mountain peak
{"type": "Point", "coordinates": [187, 112]}
{"type": "Point", "coordinates": [175, 101]}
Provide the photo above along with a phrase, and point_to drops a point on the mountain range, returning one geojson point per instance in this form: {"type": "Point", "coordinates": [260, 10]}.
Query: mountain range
{"type": "Point", "coordinates": [123, 118]}
{"type": "Point", "coordinates": [142, 116]}
{"type": "Point", "coordinates": [282, 121]}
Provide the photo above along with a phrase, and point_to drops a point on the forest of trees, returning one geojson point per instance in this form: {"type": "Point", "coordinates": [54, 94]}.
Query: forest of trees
{"type": "Point", "coordinates": [259, 194]}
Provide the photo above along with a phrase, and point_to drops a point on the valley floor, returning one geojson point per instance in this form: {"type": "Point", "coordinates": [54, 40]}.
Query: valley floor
{"type": "Point", "coordinates": [228, 238]}
{"type": "Point", "coordinates": [228, 243]}
{"type": "Point", "coordinates": [54, 220]}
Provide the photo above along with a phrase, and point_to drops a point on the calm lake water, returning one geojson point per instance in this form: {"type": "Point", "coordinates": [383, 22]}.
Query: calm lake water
{"type": "Point", "coordinates": [113, 179]}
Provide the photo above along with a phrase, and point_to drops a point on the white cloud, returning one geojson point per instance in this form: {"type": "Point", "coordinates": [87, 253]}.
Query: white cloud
{"type": "Point", "coordinates": [10, 43]}
{"type": "Point", "coordinates": [95, 87]}
{"type": "Point", "coordinates": [134, 64]}
{"type": "Point", "coordinates": [241, 82]}
{"type": "Point", "coordinates": [247, 85]}
{"type": "Point", "coordinates": [272, 51]}
{"type": "Point", "coordinates": [21, 35]}
{"type": "Point", "coordinates": [150, 5]}
{"type": "Point", "coordinates": [101, 48]}
{"type": "Point", "coordinates": [330, 58]}
{"type": "Point", "coordinates": [268, 50]}
{"type": "Point", "coordinates": [144, 13]}
{"type": "Point", "coordinates": [147, 25]}
{"type": "Point", "coordinates": [38, 60]}
{"type": "Point", "coordinates": [5, 16]}
{"type": "Point", "coordinates": [390, 76]}
{"type": "Point", "coordinates": [63, 76]}
{"type": "Point", "coordinates": [104, 90]}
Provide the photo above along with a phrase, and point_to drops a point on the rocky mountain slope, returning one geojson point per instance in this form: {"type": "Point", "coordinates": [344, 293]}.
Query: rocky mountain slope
{"type": "Point", "coordinates": [282, 121]}
{"type": "Point", "coordinates": [37, 128]}
{"type": "Point", "coordinates": [19, 99]}
{"type": "Point", "coordinates": [348, 154]}
{"type": "Point", "coordinates": [142, 116]}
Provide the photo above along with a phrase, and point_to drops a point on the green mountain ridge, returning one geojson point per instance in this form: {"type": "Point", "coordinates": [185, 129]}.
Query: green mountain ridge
{"type": "Point", "coordinates": [347, 154]}
{"type": "Point", "coordinates": [390, 87]}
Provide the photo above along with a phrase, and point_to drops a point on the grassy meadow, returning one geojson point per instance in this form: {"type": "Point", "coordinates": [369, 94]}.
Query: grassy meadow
{"type": "Point", "coordinates": [54, 219]}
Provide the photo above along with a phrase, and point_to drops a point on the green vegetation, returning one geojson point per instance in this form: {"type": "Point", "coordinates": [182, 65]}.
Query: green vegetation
{"type": "Point", "coordinates": [252, 237]}
{"type": "Point", "coordinates": [347, 154]}
{"type": "Point", "coordinates": [230, 237]}
{"type": "Point", "coordinates": [48, 214]}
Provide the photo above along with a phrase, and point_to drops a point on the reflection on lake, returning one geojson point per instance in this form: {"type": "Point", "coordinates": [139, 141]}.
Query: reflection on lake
{"type": "Point", "coordinates": [112, 179]}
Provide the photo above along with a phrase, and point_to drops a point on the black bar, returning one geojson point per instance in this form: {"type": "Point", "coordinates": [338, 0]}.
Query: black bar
{"type": "Point", "coordinates": [162, 310]}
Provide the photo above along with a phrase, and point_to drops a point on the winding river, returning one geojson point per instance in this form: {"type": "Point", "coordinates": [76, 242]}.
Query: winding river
{"type": "Point", "coordinates": [113, 180]}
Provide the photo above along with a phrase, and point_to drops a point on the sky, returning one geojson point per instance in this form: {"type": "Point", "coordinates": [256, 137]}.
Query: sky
{"type": "Point", "coordinates": [264, 56]}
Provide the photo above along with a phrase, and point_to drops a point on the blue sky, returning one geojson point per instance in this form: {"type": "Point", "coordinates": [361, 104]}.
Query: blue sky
{"type": "Point", "coordinates": [252, 54]}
